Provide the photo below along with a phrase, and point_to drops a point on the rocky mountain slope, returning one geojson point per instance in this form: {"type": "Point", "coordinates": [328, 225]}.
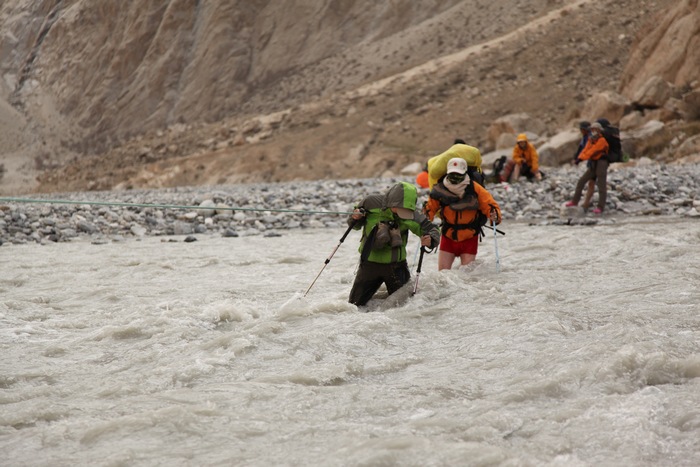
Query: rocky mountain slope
{"type": "Point", "coordinates": [179, 92]}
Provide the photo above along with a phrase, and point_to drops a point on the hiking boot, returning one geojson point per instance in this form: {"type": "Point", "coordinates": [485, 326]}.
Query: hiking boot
{"type": "Point", "coordinates": [570, 204]}
{"type": "Point", "coordinates": [597, 211]}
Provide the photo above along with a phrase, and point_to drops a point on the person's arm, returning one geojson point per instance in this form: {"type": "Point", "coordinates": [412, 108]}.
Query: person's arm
{"type": "Point", "coordinates": [601, 148]}
{"type": "Point", "coordinates": [594, 151]}
{"type": "Point", "coordinates": [487, 204]}
{"type": "Point", "coordinates": [535, 165]}
{"type": "Point", "coordinates": [587, 151]}
{"type": "Point", "coordinates": [429, 232]}
{"type": "Point", "coordinates": [517, 155]}
{"type": "Point", "coordinates": [431, 208]}
{"type": "Point", "coordinates": [357, 218]}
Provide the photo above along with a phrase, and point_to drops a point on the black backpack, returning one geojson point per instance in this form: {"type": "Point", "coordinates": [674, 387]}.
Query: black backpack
{"type": "Point", "coordinates": [612, 136]}
{"type": "Point", "coordinates": [475, 175]}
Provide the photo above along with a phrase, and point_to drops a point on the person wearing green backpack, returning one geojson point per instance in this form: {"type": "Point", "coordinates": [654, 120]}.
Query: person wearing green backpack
{"type": "Point", "coordinates": [385, 221]}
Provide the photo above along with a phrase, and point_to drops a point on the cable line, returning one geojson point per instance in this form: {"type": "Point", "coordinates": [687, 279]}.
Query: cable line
{"type": "Point", "coordinates": [161, 206]}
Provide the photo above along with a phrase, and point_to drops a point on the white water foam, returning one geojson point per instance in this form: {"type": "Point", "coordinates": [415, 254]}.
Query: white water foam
{"type": "Point", "coordinates": [583, 350]}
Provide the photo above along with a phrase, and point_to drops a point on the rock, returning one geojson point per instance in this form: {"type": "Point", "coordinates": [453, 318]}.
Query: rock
{"type": "Point", "coordinates": [412, 169]}
{"type": "Point", "coordinates": [692, 104]}
{"type": "Point", "coordinates": [654, 93]}
{"type": "Point", "coordinates": [137, 230]}
{"type": "Point", "coordinates": [668, 49]}
{"type": "Point", "coordinates": [514, 124]}
{"type": "Point", "coordinates": [210, 208]}
{"type": "Point", "coordinates": [643, 187]}
{"type": "Point", "coordinates": [560, 149]}
{"type": "Point", "coordinates": [606, 104]}
{"type": "Point", "coordinates": [182, 228]}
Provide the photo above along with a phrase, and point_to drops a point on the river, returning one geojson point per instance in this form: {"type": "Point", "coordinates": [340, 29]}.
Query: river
{"type": "Point", "coordinates": [583, 349]}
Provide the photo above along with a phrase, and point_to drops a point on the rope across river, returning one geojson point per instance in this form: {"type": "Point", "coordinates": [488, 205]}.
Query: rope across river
{"type": "Point", "coordinates": [161, 206]}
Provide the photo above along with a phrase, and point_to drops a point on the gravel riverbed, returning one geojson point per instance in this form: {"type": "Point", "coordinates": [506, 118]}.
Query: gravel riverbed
{"type": "Point", "coordinates": [647, 189]}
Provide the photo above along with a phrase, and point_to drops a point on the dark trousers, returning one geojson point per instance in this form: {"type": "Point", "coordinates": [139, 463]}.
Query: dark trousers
{"type": "Point", "coordinates": [525, 171]}
{"type": "Point", "coordinates": [598, 170]}
{"type": "Point", "coordinates": [370, 276]}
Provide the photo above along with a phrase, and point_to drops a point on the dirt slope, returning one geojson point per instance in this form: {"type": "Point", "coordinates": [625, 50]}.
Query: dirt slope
{"type": "Point", "coordinates": [166, 93]}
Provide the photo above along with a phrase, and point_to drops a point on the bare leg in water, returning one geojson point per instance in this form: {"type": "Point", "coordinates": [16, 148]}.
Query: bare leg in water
{"type": "Point", "coordinates": [445, 259]}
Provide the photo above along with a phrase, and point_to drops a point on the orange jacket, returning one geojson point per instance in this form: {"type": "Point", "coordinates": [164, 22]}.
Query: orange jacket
{"type": "Point", "coordinates": [528, 155]}
{"type": "Point", "coordinates": [458, 213]}
{"type": "Point", "coordinates": [594, 150]}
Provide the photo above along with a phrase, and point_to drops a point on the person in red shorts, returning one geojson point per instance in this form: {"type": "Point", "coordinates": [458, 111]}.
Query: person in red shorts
{"type": "Point", "coordinates": [464, 207]}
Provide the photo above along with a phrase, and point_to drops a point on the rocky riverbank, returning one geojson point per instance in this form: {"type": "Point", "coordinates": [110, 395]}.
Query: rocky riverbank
{"type": "Point", "coordinates": [647, 189]}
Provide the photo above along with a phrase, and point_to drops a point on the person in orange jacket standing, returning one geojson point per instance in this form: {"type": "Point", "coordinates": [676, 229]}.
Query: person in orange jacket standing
{"type": "Point", "coordinates": [525, 162]}
{"type": "Point", "coordinates": [595, 150]}
{"type": "Point", "coordinates": [464, 207]}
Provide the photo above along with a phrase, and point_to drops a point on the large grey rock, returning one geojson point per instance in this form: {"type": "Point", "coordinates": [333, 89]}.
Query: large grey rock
{"type": "Point", "coordinates": [560, 149]}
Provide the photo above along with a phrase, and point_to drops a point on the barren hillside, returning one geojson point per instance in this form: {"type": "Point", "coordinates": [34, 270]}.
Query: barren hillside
{"type": "Point", "coordinates": [177, 92]}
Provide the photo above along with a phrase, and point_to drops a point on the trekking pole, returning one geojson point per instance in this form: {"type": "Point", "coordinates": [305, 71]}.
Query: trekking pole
{"type": "Point", "coordinates": [415, 255]}
{"type": "Point", "coordinates": [495, 244]}
{"type": "Point", "coordinates": [328, 260]}
{"type": "Point", "coordinates": [420, 263]}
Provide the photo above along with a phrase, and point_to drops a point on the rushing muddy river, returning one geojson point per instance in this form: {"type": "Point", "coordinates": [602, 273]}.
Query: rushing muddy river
{"type": "Point", "coordinates": [583, 350]}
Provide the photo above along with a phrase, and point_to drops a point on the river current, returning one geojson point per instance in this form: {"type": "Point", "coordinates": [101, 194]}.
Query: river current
{"type": "Point", "coordinates": [583, 349]}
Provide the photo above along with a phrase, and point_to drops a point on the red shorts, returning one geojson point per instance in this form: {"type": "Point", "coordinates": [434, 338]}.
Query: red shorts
{"type": "Point", "coordinates": [468, 247]}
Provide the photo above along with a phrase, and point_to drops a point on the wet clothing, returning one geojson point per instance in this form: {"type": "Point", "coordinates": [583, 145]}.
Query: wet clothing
{"type": "Point", "coordinates": [466, 247]}
{"type": "Point", "coordinates": [384, 238]}
{"type": "Point", "coordinates": [462, 216]}
{"type": "Point", "coordinates": [370, 276]}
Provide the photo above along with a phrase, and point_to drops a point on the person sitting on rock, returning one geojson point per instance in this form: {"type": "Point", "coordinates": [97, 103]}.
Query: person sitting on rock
{"type": "Point", "coordinates": [525, 162]}
{"type": "Point", "coordinates": [596, 150]}
{"type": "Point", "coordinates": [464, 207]}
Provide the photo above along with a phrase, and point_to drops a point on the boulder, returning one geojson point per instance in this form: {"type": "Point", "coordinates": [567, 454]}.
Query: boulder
{"type": "Point", "coordinates": [560, 149]}
{"type": "Point", "coordinates": [654, 93]}
{"type": "Point", "coordinates": [506, 141]}
{"type": "Point", "coordinates": [639, 142]}
{"type": "Point", "coordinates": [514, 124]}
{"type": "Point", "coordinates": [689, 147]}
{"type": "Point", "coordinates": [670, 49]}
{"type": "Point", "coordinates": [632, 120]}
{"type": "Point", "coordinates": [692, 104]}
{"type": "Point", "coordinates": [606, 104]}
{"type": "Point", "coordinates": [412, 169]}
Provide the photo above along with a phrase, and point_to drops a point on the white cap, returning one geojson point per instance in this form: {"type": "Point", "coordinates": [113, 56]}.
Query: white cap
{"type": "Point", "coordinates": [457, 165]}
